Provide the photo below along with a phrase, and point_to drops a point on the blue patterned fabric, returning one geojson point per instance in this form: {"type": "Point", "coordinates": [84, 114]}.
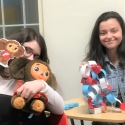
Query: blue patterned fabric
{"type": "Point", "coordinates": [114, 77]}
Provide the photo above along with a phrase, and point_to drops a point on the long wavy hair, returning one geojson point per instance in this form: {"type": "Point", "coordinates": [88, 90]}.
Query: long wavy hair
{"type": "Point", "coordinates": [95, 50]}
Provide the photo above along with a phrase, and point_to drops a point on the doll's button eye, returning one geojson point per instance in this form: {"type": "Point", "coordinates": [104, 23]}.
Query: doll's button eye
{"type": "Point", "coordinates": [10, 46]}
{"type": "Point", "coordinates": [46, 73]}
{"type": "Point", "coordinates": [15, 48]}
{"type": "Point", "coordinates": [36, 69]}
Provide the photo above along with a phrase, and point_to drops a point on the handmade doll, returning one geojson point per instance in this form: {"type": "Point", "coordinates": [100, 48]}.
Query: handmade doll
{"type": "Point", "coordinates": [25, 70]}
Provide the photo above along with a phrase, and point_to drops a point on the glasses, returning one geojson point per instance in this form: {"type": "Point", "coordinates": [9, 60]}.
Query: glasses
{"type": "Point", "coordinates": [29, 52]}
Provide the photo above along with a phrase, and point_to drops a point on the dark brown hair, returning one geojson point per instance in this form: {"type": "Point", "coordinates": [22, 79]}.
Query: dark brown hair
{"type": "Point", "coordinates": [96, 51]}
{"type": "Point", "coordinates": [27, 35]}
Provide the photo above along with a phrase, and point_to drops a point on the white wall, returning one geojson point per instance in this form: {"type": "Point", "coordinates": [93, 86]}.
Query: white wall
{"type": "Point", "coordinates": [67, 26]}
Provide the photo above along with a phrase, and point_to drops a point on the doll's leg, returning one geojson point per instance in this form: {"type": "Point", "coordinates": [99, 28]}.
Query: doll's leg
{"type": "Point", "coordinates": [18, 102]}
{"type": "Point", "coordinates": [37, 105]}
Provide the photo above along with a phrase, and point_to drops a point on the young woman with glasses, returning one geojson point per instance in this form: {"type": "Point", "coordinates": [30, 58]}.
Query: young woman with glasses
{"type": "Point", "coordinates": [35, 47]}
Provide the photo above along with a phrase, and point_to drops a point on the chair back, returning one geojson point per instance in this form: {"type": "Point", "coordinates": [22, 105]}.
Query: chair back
{"type": "Point", "coordinates": [58, 119]}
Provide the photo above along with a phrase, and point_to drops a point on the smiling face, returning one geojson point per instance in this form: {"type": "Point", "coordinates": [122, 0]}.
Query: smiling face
{"type": "Point", "coordinates": [40, 71]}
{"type": "Point", "coordinates": [110, 34]}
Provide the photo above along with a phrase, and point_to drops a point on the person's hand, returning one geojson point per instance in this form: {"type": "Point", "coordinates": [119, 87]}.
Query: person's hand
{"type": "Point", "coordinates": [29, 89]}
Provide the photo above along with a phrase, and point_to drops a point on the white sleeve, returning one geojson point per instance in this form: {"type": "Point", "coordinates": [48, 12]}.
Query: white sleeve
{"type": "Point", "coordinates": [55, 101]}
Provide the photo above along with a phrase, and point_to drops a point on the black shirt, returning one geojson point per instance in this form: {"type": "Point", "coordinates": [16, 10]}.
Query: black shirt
{"type": "Point", "coordinates": [12, 116]}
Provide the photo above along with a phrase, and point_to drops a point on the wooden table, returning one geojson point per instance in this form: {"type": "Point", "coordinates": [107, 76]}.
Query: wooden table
{"type": "Point", "coordinates": [81, 113]}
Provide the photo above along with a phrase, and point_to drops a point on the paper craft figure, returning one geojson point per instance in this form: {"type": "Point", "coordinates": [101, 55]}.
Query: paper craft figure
{"type": "Point", "coordinates": [9, 49]}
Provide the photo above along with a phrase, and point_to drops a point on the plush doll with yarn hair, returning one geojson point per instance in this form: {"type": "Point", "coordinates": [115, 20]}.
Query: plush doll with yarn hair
{"type": "Point", "coordinates": [25, 70]}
